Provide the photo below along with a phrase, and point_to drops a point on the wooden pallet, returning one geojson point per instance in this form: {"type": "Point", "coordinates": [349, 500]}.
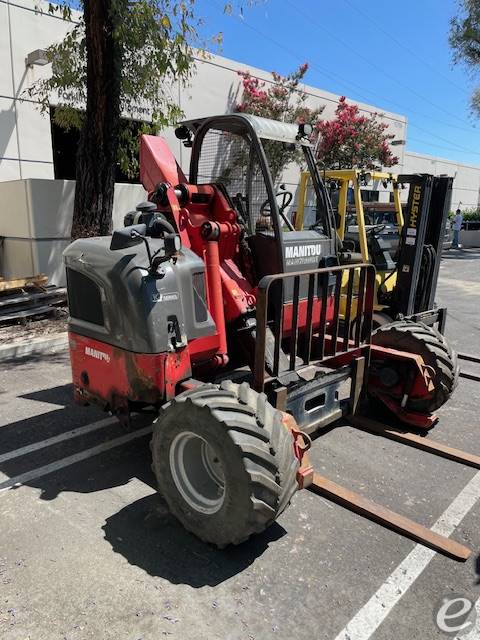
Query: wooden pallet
{"type": "Point", "coordinates": [23, 314]}
{"type": "Point", "coordinates": [30, 296]}
{"type": "Point", "coordinates": [24, 298]}
{"type": "Point", "coordinates": [19, 283]}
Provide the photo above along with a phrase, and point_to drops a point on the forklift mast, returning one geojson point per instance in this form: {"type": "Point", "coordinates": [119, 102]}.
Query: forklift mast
{"type": "Point", "coordinates": [421, 243]}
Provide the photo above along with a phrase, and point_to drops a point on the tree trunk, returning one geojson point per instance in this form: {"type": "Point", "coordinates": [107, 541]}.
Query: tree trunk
{"type": "Point", "coordinates": [97, 151]}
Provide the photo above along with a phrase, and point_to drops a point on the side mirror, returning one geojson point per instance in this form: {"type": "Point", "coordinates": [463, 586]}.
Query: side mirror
{"type": "Point", "coordinates": [305, 130]}
{"type": "Point", "coordinates": [128, 237]}
{"type": "Point", "coordinates": [184, 134]}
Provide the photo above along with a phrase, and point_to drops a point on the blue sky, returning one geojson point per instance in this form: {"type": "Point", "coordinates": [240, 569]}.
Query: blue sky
{"type": "Point", "coordinates": [392, 55]}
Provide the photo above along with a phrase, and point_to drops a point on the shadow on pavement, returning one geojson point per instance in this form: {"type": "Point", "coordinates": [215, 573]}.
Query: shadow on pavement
{"type": "Point", "coordinates": [62, 418]}
{"type": "Point", "coordinates": [109, 468]}
{"type": "Point", "coordinates": [143, 532]}
{"type": "Point", "coordinates": [32, 361]}
{"type": "Point", "coordinates": [149, 537]}
{"type": "Point", "coordinates": [114, 467]}
{"type": "Point", "coordinates": [461, 254]}
{"type": "Point", "coordinates": [477, 568]}
{"type": "Point", "coordinates": [62, 394]}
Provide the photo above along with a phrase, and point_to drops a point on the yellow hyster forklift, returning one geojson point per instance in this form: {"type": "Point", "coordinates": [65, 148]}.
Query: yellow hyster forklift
{"type": "Point", "coordinates": [406, 256]}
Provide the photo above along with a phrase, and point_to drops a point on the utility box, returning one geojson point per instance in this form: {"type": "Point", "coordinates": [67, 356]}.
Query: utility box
{"type": "Point", "coordinates": [36, 208]}
{"type": "Point", "coordinates": [36, 222]}
{"type": "Point", "coordinates": [26, 257]}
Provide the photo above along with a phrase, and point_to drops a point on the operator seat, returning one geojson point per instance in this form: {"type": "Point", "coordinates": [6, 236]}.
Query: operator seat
{"type": "Point", "coordinates": [263, 246]}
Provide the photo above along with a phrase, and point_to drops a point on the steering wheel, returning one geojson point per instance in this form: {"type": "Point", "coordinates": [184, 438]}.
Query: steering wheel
{"type": "Point", "coordinates": [376, 228]}
{"type": "Point", "coordinates": [286, 196]}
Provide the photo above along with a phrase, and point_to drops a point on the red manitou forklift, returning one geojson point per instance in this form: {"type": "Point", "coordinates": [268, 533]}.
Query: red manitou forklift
{"type": "Point", "coordinates": [212, 309]}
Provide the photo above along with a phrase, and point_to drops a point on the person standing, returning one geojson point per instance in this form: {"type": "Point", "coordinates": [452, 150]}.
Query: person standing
{"type": "Point", "coordinates": [457, 225]}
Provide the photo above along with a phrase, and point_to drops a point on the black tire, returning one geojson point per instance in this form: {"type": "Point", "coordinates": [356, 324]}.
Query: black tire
{"type": "Point", "coordinates": [253, 447]}
{"type": "Point", "coordinates": [378, 320]}
{"type": "Point", "coordinates": [416, 337]}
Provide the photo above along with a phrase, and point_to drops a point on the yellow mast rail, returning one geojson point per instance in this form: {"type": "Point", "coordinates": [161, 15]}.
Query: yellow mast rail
{"type": "Point", "coordinates": [345, 177]}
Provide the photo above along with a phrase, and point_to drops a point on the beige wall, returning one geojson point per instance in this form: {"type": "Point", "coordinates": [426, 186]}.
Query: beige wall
{"type": "Point", "coordinates": [25, 137]}
{"type": "Point", "coordinates": [37, 220]}
{"type": "Point", "coordinates": [466, 184]}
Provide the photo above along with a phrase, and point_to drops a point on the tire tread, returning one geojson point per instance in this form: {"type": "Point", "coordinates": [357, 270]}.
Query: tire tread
{"type": "Point", "coordinates": [416, 337]}
{"type": "Point", "coordinates": [263, 442]}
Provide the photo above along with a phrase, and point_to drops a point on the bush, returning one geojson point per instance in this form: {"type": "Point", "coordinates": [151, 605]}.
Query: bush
{"type": "Point", "coordinates": [469, 215]}
{"type": "Point", "coordinates": [281, 100]}
{"type": "Point", "coordinates": [353, 140]}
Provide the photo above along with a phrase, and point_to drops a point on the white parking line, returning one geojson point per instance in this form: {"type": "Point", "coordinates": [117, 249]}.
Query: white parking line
{"type": "Point", "coordinates": [69, 460]}
{"type": "Point", "coordinates": [74, 433]}
{"type": "Point", "coordinates": [364, 624]}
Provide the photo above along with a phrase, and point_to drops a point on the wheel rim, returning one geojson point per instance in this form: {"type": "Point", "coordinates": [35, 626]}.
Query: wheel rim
{"type": "Point", "coordinates": [197, 472]}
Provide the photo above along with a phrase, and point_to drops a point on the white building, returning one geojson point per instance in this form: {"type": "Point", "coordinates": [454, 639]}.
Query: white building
{"type": "Point", "coordinates": [466, 184]}
{"type": "Point", "coordinates": [30, 148]}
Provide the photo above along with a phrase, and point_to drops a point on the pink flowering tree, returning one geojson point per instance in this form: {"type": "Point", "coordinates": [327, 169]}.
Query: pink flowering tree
{"type": "Point", "coordinates": [281, 100]}
{"type": "Point", "coordinates": [353, 140]}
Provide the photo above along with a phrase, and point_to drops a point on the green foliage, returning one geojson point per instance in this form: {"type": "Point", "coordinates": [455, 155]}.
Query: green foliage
{"type": "Point", "coordinates": [472, 214]}
{"type": "Point", "coordinates": [464, 39]}
{"type": "Point", "coordinates": [128, 145]}
{"type": "Point", "coordinates": [155, 39]}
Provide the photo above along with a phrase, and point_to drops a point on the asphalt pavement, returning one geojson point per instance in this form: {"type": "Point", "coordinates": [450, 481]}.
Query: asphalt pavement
{"type": "Point", "coordinates": [88, 549]}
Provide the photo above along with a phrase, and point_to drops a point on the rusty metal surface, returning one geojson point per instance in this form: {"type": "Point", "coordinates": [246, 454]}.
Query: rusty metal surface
{"type": "Point", "coordinates": [419, 442]}
{"type": "Point", "coordinates": [371, 510]}
{"type": "Point", "coordinates": [301, 446]}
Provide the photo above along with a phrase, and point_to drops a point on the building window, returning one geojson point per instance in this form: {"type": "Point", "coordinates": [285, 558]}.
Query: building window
{"type": "Point", "coordinates": [369, 195]}
{"type": "Point", "coordinates": [65, 145]}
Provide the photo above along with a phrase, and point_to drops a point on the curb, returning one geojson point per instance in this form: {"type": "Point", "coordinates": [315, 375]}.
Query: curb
{"type": "Point", "coordinates": [35, 346]}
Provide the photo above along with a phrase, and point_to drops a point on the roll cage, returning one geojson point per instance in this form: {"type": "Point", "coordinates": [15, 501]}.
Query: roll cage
{"type": "Point", "coordinates": [247, 143]}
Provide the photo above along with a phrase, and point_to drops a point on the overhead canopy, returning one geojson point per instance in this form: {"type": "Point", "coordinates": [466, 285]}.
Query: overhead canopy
{"type": "Point", "coordinates": [263, 127]}
{"type": "Point", "coordinates": [274, 130]}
